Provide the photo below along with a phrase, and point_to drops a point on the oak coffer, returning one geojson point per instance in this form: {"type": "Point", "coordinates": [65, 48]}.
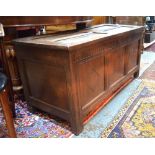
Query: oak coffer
{"type": "Point", "coordinates": [70, 74]}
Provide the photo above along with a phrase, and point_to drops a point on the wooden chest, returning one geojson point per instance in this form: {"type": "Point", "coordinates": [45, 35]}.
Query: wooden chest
{"type": "Point", "coordinates": [70, 74]}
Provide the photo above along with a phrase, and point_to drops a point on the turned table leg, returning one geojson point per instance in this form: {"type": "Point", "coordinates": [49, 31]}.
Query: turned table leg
{"type": "Point", "coordinates": [7, 113]}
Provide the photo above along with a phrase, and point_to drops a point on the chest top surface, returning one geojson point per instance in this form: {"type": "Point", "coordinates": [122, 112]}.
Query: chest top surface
{"type": "Point", "coordinates": [73, 38]}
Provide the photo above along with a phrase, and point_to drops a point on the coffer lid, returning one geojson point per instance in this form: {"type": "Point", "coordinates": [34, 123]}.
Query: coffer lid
{"type": "Point", "coordinates": [69, 39]}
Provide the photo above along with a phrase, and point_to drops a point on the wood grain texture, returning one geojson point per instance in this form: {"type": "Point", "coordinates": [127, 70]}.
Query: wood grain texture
{"type": "Point", "coordinates": [7, 114]}
{"type": "Point", "coordinates": [100, 20]}
{"type": "Point", "coordinates": [70, 74]}
{"type": "Point", "coordinates": [14, 21]}
{"type": "Point", "coordinates": [130, 20]}
{"type": "Point", "coordinates": [23, 26]}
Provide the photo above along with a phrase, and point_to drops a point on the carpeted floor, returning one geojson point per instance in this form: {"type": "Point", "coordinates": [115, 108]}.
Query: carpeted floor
{"type": "Point", "coordinates": [151, 48]}
{"type": "Point", "coordinates": [149, 73]}
{"type": "Point", "coordinates": [147, 59]}
{"type": "Point", "coordinates": [136, 119]}
{"type": "Point", "coordinates": [42, 125]}
{"type": "Point", "coordinates": [36, 125]}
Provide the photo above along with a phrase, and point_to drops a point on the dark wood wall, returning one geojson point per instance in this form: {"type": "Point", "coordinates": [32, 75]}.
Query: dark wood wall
{"type": "Point", "coordinates": [129, 20]}
{"type": "Point", "coordinates": [100, 20]}
{"type": "Point", "coordinates": [96, 20]}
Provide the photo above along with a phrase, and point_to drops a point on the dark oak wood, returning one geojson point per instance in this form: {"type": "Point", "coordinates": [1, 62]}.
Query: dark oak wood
{"type": "Point", "coordinates": [23, 26]}
{"type": "Point", "coordinates": [70, 74]}
{"type": "Point", "coordinates": [7, 113]}
{"type": "Point", "coordinates": [100, 20]}
{"type": "Point", "coordinates": [129, 20]}
{"type": "Point", "coordinates": [15, 21]}
{"type": "Point", "coordinates": [4, 68]}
